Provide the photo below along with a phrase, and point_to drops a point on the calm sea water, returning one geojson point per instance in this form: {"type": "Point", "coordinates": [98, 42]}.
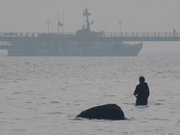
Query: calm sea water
{"type": "Point", "coordinates": [42, 95]}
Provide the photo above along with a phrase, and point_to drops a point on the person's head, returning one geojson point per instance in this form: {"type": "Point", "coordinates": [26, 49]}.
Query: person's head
{"type": "Point", "coordinates": [141, 79]}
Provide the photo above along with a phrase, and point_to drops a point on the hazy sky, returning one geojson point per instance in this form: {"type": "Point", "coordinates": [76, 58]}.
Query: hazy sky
{"type": "Point", "coordinates": [135, 15]}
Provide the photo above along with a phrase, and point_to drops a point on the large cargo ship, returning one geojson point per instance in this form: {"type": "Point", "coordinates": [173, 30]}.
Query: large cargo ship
{"type": "Point", "coordinates": [84, 42]}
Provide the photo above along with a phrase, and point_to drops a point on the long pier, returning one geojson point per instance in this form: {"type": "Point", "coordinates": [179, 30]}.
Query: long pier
{"type": "Point", "coordinates": [80, 44]}
{"type": "Point", "coordinates": [122, 36]}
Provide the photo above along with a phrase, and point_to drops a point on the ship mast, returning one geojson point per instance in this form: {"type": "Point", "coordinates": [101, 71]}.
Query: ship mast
{"type": "Point", "coordinates": [59, 24]}
{"type": "Point", "coordinates": [87, 14]}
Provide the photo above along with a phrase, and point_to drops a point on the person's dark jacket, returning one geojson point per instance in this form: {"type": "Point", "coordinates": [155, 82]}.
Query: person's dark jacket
{"type": "Point", "coordinates": [142, 93]}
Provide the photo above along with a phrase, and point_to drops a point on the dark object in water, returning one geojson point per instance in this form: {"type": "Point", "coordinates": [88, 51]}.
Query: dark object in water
{"type": "Point", "coordinates": [142, 92]}
{"type": "Point", "coordinates": [108, 111]}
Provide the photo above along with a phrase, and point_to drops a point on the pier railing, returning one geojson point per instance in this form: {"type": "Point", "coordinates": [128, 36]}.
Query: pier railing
{"type": "Point", "coordinates": [32, 34]}
{"type": "Point", "coordinates": [124, 36]}
{"type": "Point", "coordinates": [142, 34]}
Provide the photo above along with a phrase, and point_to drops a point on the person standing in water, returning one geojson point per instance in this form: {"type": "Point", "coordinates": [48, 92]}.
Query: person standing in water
{"type": "Point", "coordinates": [142, 92]}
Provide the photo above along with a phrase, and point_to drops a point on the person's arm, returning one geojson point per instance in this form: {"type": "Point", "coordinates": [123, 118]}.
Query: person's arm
{"type": "Point", "coordinates": [148, 93]}
{"type": "Point", "coordinates": [146, 90]}
{"type": "Point", "coordinates": [136, 91]}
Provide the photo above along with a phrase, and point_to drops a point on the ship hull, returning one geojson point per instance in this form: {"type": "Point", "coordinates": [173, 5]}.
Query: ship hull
{"type": "Point", "coordinates": [73, 49]}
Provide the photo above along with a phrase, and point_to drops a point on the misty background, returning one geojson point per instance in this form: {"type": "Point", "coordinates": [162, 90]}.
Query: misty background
{"type": "Point", "coordinates": [134, 15]}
